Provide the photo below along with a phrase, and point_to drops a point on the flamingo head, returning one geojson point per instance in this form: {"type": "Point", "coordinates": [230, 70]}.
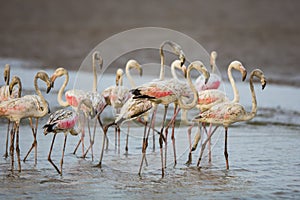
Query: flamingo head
{"type": "Point", "coordinates": [259, 73]}
{"type": "Point", "coordinates": [44, 77]}
{"type": "Point", "coordinates": [239, 66]}
{"type": "Point", "coordinates": [97, 57]}
{"type": "Point", "coordinates": [119, 76]}
{"type": "Point", "coordinates": [7, 73]}
{"type": "Point", "coordinates": [58, 73]}
{"type": "Point", "coordinates": [15, 81]}
{"type": "Point", "coordinates": [198, 65]}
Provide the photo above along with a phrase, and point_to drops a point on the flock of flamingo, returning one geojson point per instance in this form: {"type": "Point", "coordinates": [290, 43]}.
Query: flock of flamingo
{"type": "Point", "coordinates": [138, 103]}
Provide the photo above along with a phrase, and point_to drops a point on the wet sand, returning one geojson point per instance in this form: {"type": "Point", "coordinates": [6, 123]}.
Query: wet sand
{"type": "Point", "coordinates": [61, 33]}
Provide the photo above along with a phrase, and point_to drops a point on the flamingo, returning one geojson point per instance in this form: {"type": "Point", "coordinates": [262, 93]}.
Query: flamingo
{"type": "Point", "coordinates": [228, 113]}
{"type": "Point", "coordinates": [164, 92]}
{"type": "Point", "coordinates": [186, 93]}
{"type": "Point", "coordinates": [15, 81]}
{"type": "Point", "coordinates": [33, 106]}
{"type": "Point", "coordinates": [209, 98]}
{"type": "Point", "coordinates": [64, 121]}
{"type": "Point", "coordinates": [74, 96]}
{"type": "Point", "coordinates": [213, 82]}
{"type": "Point", "coordinates": [179, 52]}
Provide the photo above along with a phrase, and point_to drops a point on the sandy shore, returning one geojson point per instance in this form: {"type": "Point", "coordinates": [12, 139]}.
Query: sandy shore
{"type": "Point", "coordinates": [61, 33]}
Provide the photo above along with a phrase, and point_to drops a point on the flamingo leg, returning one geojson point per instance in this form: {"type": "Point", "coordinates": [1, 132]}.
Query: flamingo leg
{"type": "Point", "coordinates": [119, 134]}
{"type": "Point", "coordinates": [11, 151]}
{"type": "Point", "coordinates": [127, 137]}
{"type": "Point", "coordinates": [49, 155]}
{"type": "Point", "coordinates": [161, 142]}
{"type": "Point", "coordinates": [91, 142]}
{"type": "Point", "coordinates": [204, 144]}
{"type": "Point", "coordinates": [144, 146]}
{"type": "Point", "coordinates": [63, 154]}
{"type": "Point", "coordinates": [209, 143]}
{"type": "Point", "coordinates": [225, 149]}
{"type": "Point", "coordinates": [34, 143]}
{"type": "Point", "coordinates": [189, 161]}
{"type": "Point", "coordinates": [153, 126]}
{"type": "Point", "coordinates": [172, 122]}
{"type": "Point", "coordinates": [7, 138]}
{"type": "Point", "coordinates": [105, 128]}
{"type": "Point", "coordinates": [18, 147]}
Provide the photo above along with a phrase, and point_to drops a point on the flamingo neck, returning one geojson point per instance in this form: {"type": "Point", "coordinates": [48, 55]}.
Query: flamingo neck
{"type": "Point", "coordinates": [38, 92]}
{"type": "Point", "coordinates": [128, 75]}
{"type": "Point", "coordinates": [61, 91]}
{"type": "Point", "coordinates": [173, 71]}
{"type": "Point", "coordinates": [162, 65]}
{"type": "Point", "coordinates": [95, 74]}
{"type": "Point", "coordinates": [195, 93]}
{"type": "Point", "coordinates": [252, 114]}
{"type": "Point", "coordinates": [236, 96]}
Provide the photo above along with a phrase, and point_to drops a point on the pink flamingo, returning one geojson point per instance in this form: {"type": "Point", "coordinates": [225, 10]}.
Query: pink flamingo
{"type": "Point", "coordinates": [186, 93]}
{"type": "Point", "coordinates": [163, 92]}
{"type": "Point", "coordinates": [74, 96]}
{"type": "Point", "coordinates": [33, 106]}
{"type": "Point", "coordinates": [5, 95]}
{"type": "Point", "coordinates": [176, 48]}
{"type": "Point", "coordinates": [209, 98]}
{"type": "Point", "coordinates": [64, 121]}
{"type": "Point", "coordinates": [132, 109]}
{"type": "Point", "coordinates": [214, 81]}
{"type": "Point", "coordinates": [228, 113]}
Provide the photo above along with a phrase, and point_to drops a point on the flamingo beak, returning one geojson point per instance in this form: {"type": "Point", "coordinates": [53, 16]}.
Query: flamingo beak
{"type": "Point", "coordinates": [182, 59]}
{"type": "Point", "coordinates": [263, 83]}
{"type": "Point", "coordinates": [52, 79]}
{"type": "Point", "coordinates": [243, 72]}
{"type": "Point", "coordinates": [244, 75]}
{"type": "Point", "coordinates": [49, 87]}
{"type": "Point", "coordinates": [207, 75]}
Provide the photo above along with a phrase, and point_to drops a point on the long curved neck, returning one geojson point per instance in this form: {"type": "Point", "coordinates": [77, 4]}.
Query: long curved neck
{"type": "Point", "coordinates": [236, 95]}
{"type": "Point", "coordinates": [128, 75]}
{"type": "Point", "coordinates": [175, 65]}
{"type": "Point", "coordinates": [38, 92]}
{"type": "Point", "coordinates": [95, 75]}
{"type": "Point", "coordinates": [162, 64]}
{"type": "Point", "coordinates": [252, 114]}
{"type": "Point", "coordinates": [61, 91]}
{"type": "Point", "coordinates": [195, 93]}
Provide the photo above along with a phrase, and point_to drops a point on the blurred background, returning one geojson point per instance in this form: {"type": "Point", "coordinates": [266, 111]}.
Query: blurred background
{"type": "Point", "coordinates": [262, 34]}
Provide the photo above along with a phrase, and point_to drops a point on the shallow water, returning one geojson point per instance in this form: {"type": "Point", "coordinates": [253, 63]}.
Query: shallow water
{"type": "Point", "coordinates": [263, 156]}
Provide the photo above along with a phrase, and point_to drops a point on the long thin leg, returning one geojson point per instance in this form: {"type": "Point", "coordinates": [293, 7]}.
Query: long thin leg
{"type": "Point", "coordinates": [144, 147]}
{"type": "Point", "coordinates": [127, 138]}
{"type": "Point", "coordinates": [161, 142]}
{"type": "Point", "coordinates": [12, 141]}
{"type": "Point", "coordinates": [91, 142]}
{"type": "Point", "coordinates": [225, 149]}
{"type": "Point", "coordinates": [153, 126]}
{"type": "Point", "coordinates": [7, 138]}
{"type": "Point", "coordinates": [204, 145]}
{"type": "Point", "coordinates": [49, 155]}
{"type": "Point", "coordinates": [119, 134]}
{"type": "Point", "coordinates": [34, 143]}
{"type": "Point", "coordinates": [105, 128]}
{"type": "Point", "coordinates": [172, 122]}
{"type": "Point", "coordinates": [63, 154]}
{"type": "Point", "coordinates": [18, 148]}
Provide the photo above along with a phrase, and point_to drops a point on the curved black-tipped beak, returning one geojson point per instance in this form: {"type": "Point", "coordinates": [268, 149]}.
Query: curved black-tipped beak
{"type": "Point", "coordinates": [263, 85]}
{"type": "Point", "coordinates": [182, 60]}
{"type": "Point", "coordinates": [48, 88]}
{"type": "Point", "coordinates": [244, 75]}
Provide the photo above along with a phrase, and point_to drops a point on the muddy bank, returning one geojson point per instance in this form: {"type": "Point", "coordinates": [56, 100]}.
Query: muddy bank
{"type": "Point", "coordinates": [61, 33]}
